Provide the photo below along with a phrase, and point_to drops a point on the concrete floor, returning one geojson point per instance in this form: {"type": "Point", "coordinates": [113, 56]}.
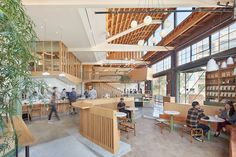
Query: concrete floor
{"type": "Point", "coordinates": [148, 141]}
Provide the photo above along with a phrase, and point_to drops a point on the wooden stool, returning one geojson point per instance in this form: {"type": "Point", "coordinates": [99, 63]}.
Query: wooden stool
{"type": "Point", "coordinates": [193, 132]}
{"type": "Point", "coordinates": [26, 110]}
{"type": "Point", "coordinates": [163, 123]}
{"type": "Point", "coordinates": [128, 127]}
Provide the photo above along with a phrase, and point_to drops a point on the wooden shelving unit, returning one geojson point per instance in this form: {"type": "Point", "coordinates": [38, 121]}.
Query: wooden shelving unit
{"type": "Point", "coordinates": [221, 85]}
{"type": "Point", "coordinates": [53, 56]}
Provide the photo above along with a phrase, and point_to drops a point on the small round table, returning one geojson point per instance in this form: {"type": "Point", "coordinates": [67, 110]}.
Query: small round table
{"type": "Point", "coordinates": [212, 119]}
{"type": "Point", "coordinates": [120, 114]}
{"type": "Point", "coordinates": [132, 110]}
{"type": "Point", "coordinates": [172, 114]}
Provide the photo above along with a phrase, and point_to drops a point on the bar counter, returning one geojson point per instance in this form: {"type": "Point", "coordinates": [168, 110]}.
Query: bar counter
{"type": "Point", "coordinates": [40, 109]}
{"type": "Point", "coordinates": [98, 121]}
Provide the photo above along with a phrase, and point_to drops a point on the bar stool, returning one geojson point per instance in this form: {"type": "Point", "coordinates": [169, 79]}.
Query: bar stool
{"type": "Point", "coordinates": [26, 110]}
{"type": "Point", "coordinates": [193, 132]}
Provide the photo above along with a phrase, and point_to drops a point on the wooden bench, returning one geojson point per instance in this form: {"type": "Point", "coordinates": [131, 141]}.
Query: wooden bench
{"type": "Point", "coordinates": [232, 143]}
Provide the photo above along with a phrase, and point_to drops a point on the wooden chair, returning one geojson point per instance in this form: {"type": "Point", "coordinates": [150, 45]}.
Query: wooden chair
{"type": "Point", "coordinates": [193, 132]}
{"type": "Point", "coordinates": [127, 127]}
{"type": "Point", "coordinates": [163, 123]}
{"type": "Point", "coordinates": [37, 108]}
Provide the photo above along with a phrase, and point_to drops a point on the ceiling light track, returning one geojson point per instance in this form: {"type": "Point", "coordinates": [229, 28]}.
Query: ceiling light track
{"type": "Point", "coordinates": [228, 9]}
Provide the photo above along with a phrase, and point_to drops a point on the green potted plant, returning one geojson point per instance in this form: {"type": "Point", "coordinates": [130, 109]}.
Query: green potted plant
{"type": "Point", "coordinates": [16, 38]}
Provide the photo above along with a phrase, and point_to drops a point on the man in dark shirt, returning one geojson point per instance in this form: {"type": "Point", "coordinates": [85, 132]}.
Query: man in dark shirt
{"type": "Point", "coordinates": [194, 115]}
{"type": "Point", "coordinates": [121, 108]}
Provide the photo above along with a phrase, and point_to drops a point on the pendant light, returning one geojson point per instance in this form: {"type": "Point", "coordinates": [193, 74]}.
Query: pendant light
{"type": "Point", "coordinates": [230, 61]}
{"type": "Point", "coordinates": [212, 66]}
{"type": "Point", "coordinates": [224, 65]}
{"type": "Point", "coordinates": [147, 20]}
{"type": "Point", "coordinates": [141, 42]}
{"type": "Point", "coordinates": [134, 24]}
{"type": "Point", "coordinates": [234, 73]}
{"type": "Point", "coordinates": [163, 33]}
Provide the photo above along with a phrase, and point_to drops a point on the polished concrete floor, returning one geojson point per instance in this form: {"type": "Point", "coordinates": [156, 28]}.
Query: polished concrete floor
{"type": "Point", "coordinates": [148, 142]}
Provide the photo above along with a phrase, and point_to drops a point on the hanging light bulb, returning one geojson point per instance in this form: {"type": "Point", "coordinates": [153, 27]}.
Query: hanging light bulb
{"type": "Point", "coordinates": [134, 24]}
{"type": "Point", "coordinates": [141, 42]}
{"type": "Point", "coordinates": [212, 66]}
{"type": "Point", "coordinates": [230, 61]}
{"type": "Point", "coordinates": [163, 33]}
{"type": "Point", "coordinates": [147, 20]}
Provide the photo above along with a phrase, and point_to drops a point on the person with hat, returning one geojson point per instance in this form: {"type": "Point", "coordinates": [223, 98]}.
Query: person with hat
{"type": "Point", "coordinates": [194, 115]}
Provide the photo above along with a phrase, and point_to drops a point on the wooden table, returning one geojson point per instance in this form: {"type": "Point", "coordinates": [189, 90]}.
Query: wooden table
{"type": "Point", "coordinates": [121, 114]}
{"type": "Point", "coordinates": [212, 119]}
{"type": "Point", "coordinates": [172, 114]}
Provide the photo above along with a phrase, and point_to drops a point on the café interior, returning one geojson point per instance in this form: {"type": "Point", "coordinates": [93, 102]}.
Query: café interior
{"type": "Point", "coordinates": [95, 78]}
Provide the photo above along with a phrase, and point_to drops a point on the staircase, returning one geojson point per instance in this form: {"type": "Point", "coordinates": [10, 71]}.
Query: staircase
{"type": "Point", "coordinates": [105, 88]}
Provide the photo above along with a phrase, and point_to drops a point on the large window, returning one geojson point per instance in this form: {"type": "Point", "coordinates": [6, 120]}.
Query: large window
{"type": "Point", "coordinates": [159, 85]}
{"type": "Point", "coordinates": [150, 41]}
{"type": "Point", "coordinates": [162, 65]}
{"type": "Point", "coordinates": [191, 87]}
{"type": "Point", "coordinates": [145, 44]}
{"type": "Point", "coordinates": [181, 16]}
{"type": "Point", "coordinates": [157, 34]}
{"type": "Point", "coordinates": [232, 35]}
{"type": "Point", "coordinates": [200, 49]}
{"type": "Point", "coordinates": [184, 56]}
{"type": "Point", "coordinates": [224, 39]}
{"type": "Point", "coordinates": [169, 23]}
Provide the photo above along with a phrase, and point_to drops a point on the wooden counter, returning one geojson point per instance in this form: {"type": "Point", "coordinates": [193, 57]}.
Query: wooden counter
{"type": "Point", "coordinates": [40, 110]}
{"type": "Point", "coordinates": [98, 121]}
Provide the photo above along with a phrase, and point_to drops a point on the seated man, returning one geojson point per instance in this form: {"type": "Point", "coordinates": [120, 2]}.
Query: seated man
{"type": "Point", "coordinates": [194, 115]}
{"type": "Point", "coordinates": [121, 108]}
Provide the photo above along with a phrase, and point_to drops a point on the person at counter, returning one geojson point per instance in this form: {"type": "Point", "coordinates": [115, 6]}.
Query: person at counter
{"type": "Point", "coordinates": [92, 93]}
{"type": "Point", "coordinates": [53, 104]}
{"type": "Point", "coordinates": [63, 94]}
{"type": "Point", "coordinates": [72, 98]}
{"type": "Point", "coordinates": [121, 108]}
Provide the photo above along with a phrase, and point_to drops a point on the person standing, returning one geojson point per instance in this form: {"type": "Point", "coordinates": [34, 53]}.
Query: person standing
{"type": "Point", "coordinates": [72, 98]}
{"type": "Point", "coordinates": [53, 105]}
{"type": "Point", "coordinates": [92, 93]}
{"type": "Point", "coordinates": [63, 94]}
{"type": "Point", "coordinates": [194, 115]}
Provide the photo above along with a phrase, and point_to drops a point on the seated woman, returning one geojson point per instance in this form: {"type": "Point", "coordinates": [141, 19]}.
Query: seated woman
{"type": "Point", "coordinates": [232, 119]}
{"type": "Point", "coordinates": [121, 108]}
{"type": "Point", "coordinates": [229, 115]}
